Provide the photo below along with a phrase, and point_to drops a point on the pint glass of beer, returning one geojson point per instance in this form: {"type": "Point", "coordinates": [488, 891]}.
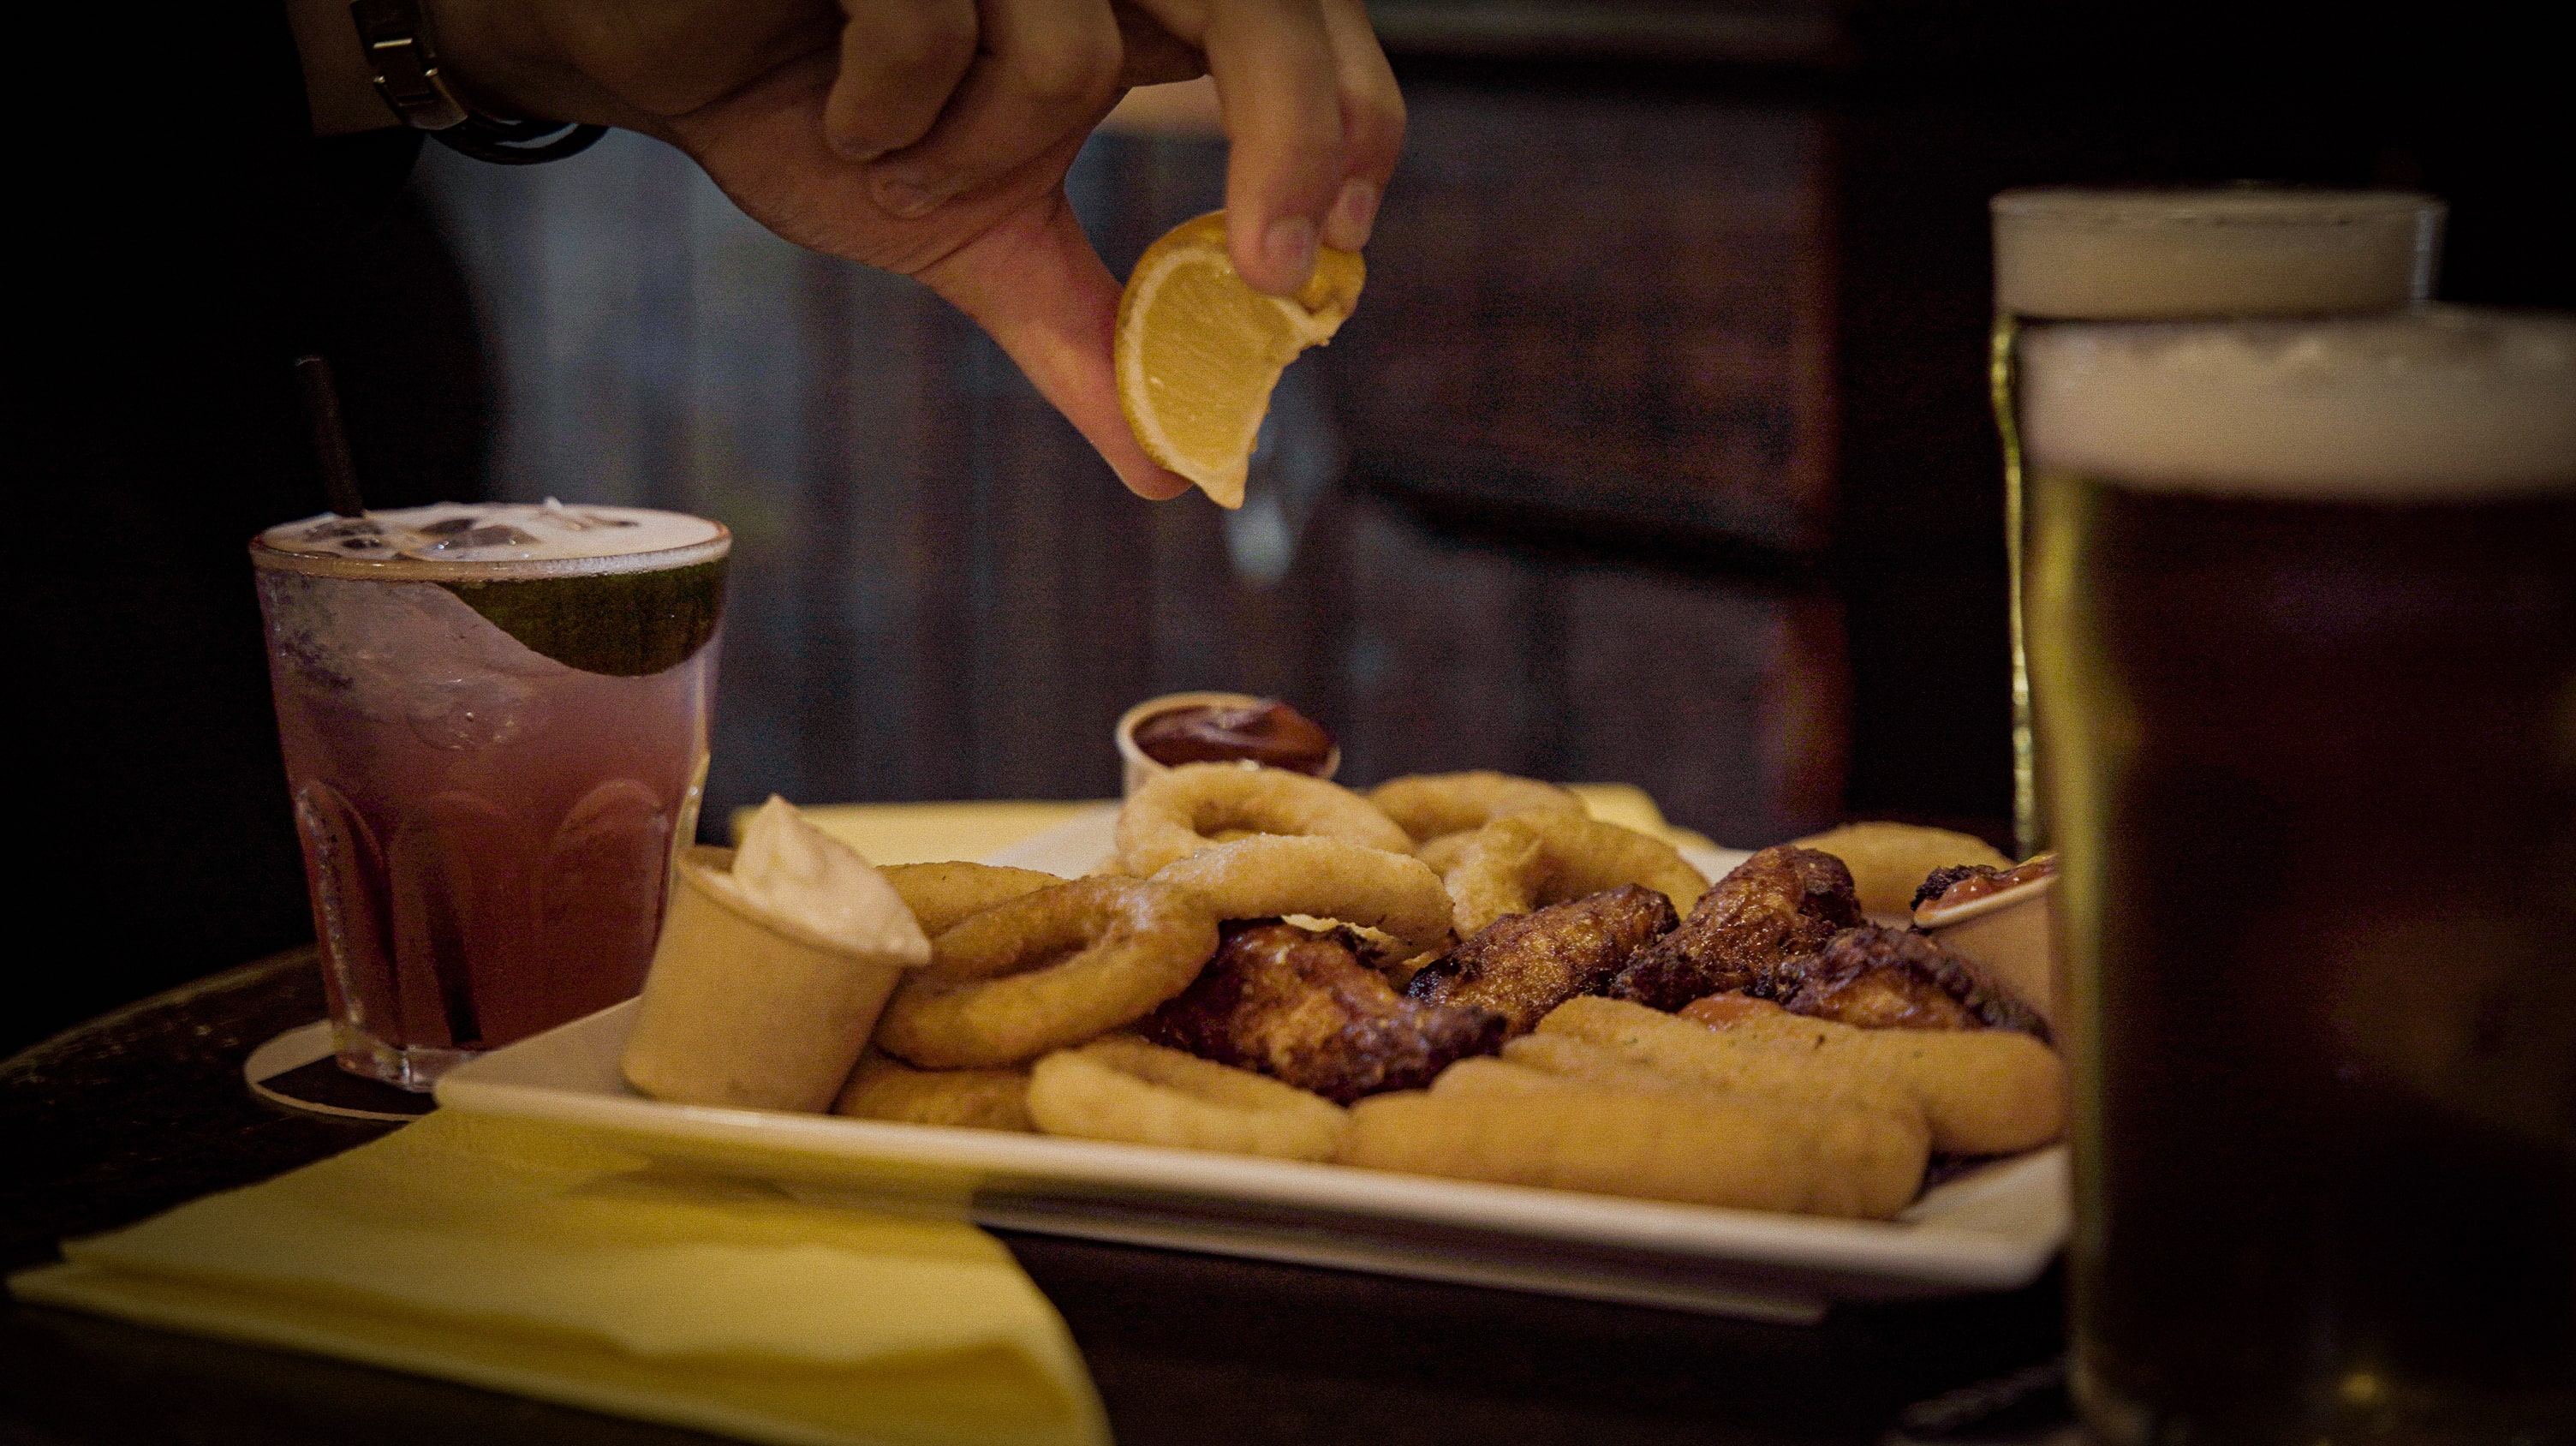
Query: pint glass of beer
{"type": "Point", "coordinates": [2303, 635]}
{"type": "Point", "coordinates": [2179, 254]}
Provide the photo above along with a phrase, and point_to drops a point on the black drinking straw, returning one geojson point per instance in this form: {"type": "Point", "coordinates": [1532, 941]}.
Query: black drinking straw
{"type": "Point", "coordinates": [340, 484]}
{"type": "Point", "coordinates": [330, 435]}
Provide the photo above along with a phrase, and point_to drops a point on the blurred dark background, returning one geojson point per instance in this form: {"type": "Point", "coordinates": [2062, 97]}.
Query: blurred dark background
{"type": "Point", "coordinates": [1657, 450]}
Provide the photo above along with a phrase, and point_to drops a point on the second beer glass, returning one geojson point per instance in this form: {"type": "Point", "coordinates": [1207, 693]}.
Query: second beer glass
{"type": "Point", "coordinates": [2303, 635]}
{"type": "Point", "coordinates": [2068, 254]}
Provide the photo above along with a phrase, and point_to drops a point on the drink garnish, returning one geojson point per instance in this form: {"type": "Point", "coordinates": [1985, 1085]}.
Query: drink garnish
{"type": "Point", "coordinates": [592, 588]}
{"type": "Point", "coordinates": [1198, 349]}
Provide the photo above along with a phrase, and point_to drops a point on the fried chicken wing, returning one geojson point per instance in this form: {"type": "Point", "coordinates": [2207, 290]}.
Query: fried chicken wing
{"type": "Point", "coordinates": [1523, 965]}
{"type": "Point", "coordinates": [1300, 1006]}
{"type": "Point", "coordinates": [1775, 906]}
{"type": "Point", "coordinates": [1881, 978]}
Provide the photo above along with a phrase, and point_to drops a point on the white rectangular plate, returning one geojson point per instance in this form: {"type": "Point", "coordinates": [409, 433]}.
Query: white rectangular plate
{"type": "Point", "coordinates": [1994, 1229]}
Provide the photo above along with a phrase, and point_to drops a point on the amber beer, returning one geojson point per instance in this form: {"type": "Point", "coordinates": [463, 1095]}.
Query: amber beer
{"type": "Point", "coordinates": [2180, 254]}
{"type": "Point", "coordinates": [2303, 618]}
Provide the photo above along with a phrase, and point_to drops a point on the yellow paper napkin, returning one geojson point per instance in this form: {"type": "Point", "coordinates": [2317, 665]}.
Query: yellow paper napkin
{"type": "Point", "coordinates": [548, 1263]}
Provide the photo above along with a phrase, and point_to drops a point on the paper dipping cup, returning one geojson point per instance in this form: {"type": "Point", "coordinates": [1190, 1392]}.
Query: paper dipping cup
{"type": "Point", "coordinates": [1135, 768]}
{"type": "Point", "coordinates": [2011, 935]}
{"type": "Point", "coordinates": [748, 1011]}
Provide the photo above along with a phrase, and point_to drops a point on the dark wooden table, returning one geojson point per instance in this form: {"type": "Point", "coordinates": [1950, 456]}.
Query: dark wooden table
{"type": "Point", "coordinates": [144, 1108]}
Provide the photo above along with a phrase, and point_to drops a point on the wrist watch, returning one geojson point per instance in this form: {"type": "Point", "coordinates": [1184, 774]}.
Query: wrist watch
{"type": "Point", "coordinates": [403, 58]}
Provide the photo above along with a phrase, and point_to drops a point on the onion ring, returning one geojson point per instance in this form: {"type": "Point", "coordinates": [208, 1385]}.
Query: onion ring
{"type": "Point", "coordinates": [1444, 852]}
{"type": "Point", "coordinates": [941, 895]}
{"type": "Point", "coordinates": [884, 1088]}
{"type": "Point", "coordinates": [1429, 805]}
{"type": "Point", "coordinates": [1271, 876]}
{"type": "Point", "coordinates": [1173, 815]}
{"type": "Point", "coordinates": [1047, 969]}
{"type": "Point", "coordinates": [1532, 860]}
{"type": "Point", "coordinates": [1144, 1094]}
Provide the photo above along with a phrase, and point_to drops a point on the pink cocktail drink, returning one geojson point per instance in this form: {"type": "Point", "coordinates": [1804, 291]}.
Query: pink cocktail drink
{"type": "Point", "coordinates": [495, 728]}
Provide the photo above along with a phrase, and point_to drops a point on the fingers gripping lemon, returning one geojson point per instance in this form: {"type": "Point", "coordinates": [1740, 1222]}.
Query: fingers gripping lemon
{"type": "Point", "coordinates": [1198, 350]}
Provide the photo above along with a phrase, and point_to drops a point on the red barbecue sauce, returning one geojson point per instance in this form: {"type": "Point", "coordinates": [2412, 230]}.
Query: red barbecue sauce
{"type": "Point", "coordinates": [1268, 732]}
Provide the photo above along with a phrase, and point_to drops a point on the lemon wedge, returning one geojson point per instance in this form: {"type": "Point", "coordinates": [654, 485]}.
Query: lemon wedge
{"type": "Point", "coordinates": [1198, 349]}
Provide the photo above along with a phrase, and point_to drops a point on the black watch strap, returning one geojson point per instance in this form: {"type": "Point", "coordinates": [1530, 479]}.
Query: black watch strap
{"type": "Point", "coordinates": [403, 58]}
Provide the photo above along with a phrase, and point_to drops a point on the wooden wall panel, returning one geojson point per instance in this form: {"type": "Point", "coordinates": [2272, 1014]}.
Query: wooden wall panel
{"type": "Point", "coordinates": [1603, 305]}
{"type": "Point", "coordinates": [1727, 701]}
{"type": "Point", "coordinates": [1447, 655]}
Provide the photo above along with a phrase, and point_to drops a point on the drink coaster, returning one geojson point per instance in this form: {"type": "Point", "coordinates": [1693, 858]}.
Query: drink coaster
{"type": "Point", "coordinates": [296, 1071]}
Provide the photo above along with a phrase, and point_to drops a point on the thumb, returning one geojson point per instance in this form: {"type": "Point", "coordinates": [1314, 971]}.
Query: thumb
{"type": "Point", "coordinates": [1036, 286]}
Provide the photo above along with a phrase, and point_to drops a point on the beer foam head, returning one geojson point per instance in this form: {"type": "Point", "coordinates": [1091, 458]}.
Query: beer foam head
{"type": "Point", "coordinates": [2429, 403]}
{"type": "Point", "coordinates": [2149, 254]}
{"type": "Point", "coordinates": [450, 539]}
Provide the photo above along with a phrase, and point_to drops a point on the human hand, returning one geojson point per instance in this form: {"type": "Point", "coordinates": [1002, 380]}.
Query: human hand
{"type": "Point", "coordinates": [931, 137]}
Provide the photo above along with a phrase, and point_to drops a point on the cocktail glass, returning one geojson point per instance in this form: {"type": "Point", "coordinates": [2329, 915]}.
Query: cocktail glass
{"type": "Point", "coordinates": [495, 727]}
